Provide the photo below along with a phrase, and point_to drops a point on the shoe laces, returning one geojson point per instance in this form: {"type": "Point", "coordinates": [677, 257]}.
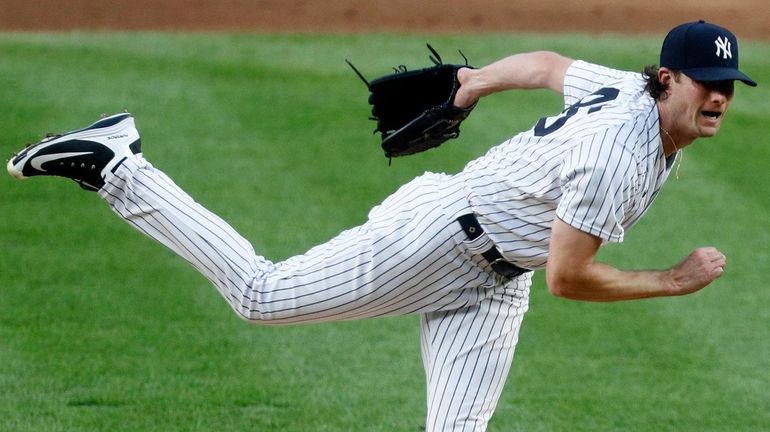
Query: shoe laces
{"type": "Point", "coordinates": [50, 135]}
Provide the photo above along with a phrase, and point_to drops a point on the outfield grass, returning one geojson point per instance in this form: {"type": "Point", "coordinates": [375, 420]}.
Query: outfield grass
{"type": "Point", "coordinates": [102, 329]}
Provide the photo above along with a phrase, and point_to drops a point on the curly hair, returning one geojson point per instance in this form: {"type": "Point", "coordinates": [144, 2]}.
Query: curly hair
{"type": "Point", "coordinates": [654, 87]}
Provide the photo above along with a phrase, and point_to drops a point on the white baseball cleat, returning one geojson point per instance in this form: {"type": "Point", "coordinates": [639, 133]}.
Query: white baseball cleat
{"type": "Point", "coordinates": [86, 155]}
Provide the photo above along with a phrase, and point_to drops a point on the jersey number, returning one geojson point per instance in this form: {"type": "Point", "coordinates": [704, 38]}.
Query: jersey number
{"type": "Point", "coordinates": [595, 101]}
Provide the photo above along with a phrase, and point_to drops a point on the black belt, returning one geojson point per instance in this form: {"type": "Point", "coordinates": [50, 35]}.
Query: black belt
{"type": "Point", "coordinates": [502, 267]}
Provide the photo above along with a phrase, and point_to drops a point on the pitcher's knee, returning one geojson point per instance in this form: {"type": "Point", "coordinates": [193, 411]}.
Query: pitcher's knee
{"type": "Point", "coordinates": [251, 307]}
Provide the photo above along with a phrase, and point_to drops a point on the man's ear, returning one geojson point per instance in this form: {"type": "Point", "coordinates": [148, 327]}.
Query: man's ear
{"type": "Point", "coordinates": [665, 75]}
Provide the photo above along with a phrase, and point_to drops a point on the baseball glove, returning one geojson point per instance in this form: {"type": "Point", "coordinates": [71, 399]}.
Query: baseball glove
{"type": "Point", "coordinates": [414, 110]}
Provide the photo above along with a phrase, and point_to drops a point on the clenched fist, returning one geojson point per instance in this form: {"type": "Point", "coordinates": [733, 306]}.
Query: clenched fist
{"type": "Point", "coordinates": [699, 269]}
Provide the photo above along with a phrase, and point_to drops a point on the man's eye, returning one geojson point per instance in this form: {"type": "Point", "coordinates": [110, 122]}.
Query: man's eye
{"type": "Point", "coordinates": [724, 87]}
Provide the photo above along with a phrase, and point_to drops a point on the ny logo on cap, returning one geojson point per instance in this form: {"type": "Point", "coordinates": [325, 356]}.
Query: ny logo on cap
{"type": "Point", "coordinates": [724, 46]}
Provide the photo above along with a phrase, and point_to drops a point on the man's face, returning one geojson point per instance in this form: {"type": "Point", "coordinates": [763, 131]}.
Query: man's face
{"type": "Point", "coordinates": [696, 107]}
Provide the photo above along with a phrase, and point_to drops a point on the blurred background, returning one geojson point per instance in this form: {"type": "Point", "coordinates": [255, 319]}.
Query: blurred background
{"type": "Point", "coordinates": [749, 18]}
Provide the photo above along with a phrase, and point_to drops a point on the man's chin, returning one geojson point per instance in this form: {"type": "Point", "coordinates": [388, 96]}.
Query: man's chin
{"type": "Point", "coordinates": [709, 127]}
{"type": "Point", "coordinates": [708, 132]}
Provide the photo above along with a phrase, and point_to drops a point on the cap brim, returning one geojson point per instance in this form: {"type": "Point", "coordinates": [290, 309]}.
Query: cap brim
{"type": "Point", "coordinates": [718, 74]}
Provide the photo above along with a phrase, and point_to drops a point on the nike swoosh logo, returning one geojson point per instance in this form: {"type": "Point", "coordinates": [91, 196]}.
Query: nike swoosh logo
{"type": "Point", "coordinates": [38, 161]}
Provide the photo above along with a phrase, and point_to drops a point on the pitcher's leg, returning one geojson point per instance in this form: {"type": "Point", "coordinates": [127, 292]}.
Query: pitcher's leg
{"type": "Point", "coordinates": [467, 355]}
{"type": "Point", "coordinates": [153, 204]}
{"type": "Point", "coordinates": [404, 259]}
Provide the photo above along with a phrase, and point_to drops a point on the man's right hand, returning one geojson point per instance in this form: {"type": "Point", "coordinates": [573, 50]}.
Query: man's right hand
{"type": "Point", "coordinates": [700, 268]}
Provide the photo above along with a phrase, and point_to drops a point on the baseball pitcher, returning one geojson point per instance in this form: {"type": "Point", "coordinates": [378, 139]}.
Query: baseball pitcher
{"type": "Point", "coordinates": [460, 249]}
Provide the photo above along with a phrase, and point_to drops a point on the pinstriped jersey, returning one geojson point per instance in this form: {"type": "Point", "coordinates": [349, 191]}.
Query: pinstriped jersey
{"type": "Point", "coordinates": [598, 165]}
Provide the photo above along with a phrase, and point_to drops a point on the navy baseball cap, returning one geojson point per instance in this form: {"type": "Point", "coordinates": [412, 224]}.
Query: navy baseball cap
{"type": "Point", "coordinates": [704, 52]}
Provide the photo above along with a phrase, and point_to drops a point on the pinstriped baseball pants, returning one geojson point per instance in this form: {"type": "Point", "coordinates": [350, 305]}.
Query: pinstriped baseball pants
{"type": "Point", "coordinates": [408, 257]}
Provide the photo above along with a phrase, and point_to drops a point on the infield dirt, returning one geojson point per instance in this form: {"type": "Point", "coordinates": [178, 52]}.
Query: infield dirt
{"type": "Point", "coordinates": [747, 18]}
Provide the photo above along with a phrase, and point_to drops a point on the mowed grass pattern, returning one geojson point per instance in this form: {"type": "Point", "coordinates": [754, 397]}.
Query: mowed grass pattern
{"type": "Point", "coordinates": [102, 329]}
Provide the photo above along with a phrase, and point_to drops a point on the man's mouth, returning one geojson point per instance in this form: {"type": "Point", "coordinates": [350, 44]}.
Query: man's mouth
{"type": "Point", "coordinates": [711, 115]}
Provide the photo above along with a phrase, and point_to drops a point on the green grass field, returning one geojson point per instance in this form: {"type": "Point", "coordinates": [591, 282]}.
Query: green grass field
{"type": "Point", "coordinates": [102, 329]}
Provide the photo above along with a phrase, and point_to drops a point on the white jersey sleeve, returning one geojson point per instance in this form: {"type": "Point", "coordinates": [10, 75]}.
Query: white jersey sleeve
{"type": "Point", "coordinates": [596, 181]}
